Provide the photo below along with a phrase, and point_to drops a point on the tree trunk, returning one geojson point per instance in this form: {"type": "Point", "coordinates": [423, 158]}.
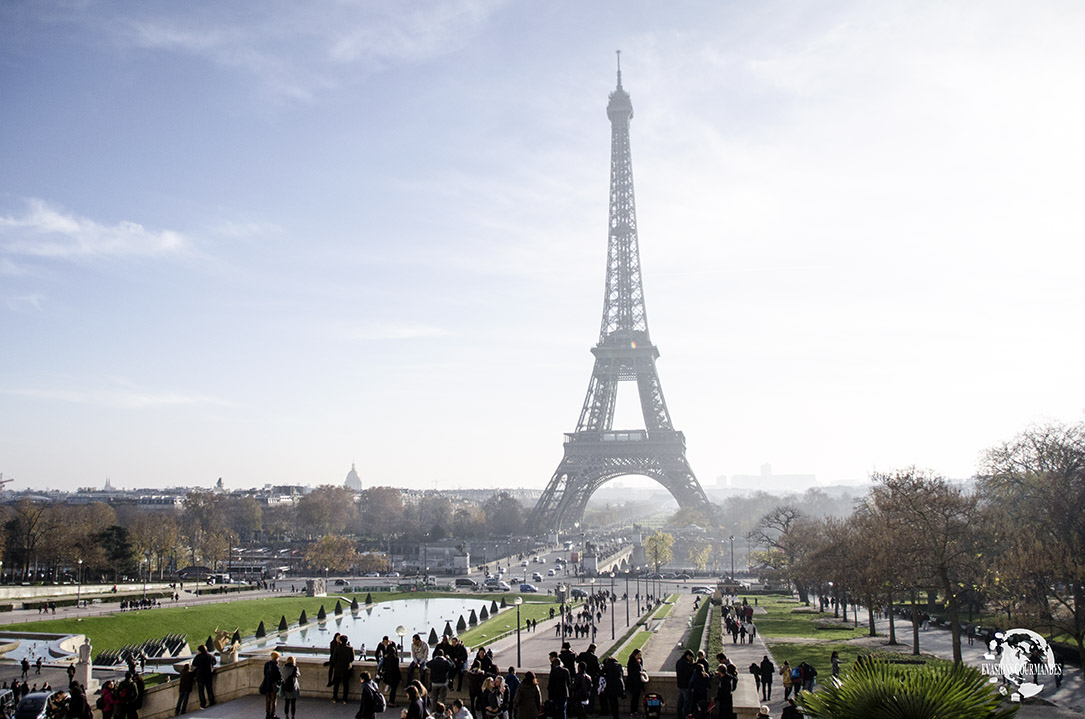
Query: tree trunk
{"type": "Point", "coordinates": [870, 617]}
{"type": "Point", "coordinates": [892, 620]}
{"type": "Point", "coordinates": [915, 624]}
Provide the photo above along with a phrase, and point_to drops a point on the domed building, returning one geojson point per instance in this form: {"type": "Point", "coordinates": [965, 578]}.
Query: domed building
{"type": "Point", "coordinates": [353, 481]}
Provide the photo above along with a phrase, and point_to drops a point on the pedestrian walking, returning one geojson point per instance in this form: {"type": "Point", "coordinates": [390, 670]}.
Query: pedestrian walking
{"type": "Point", "coordinates": [291, 688]}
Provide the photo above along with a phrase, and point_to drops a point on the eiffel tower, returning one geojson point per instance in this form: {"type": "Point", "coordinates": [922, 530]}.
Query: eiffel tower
{"type": "Point", "coordinates": [596, 453]}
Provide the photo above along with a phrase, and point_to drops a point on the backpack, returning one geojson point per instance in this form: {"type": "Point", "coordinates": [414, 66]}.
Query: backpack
{"type": "Point", "coordinates": [796, 675]}
{"type": "Point", "coordinates": [379, 702]}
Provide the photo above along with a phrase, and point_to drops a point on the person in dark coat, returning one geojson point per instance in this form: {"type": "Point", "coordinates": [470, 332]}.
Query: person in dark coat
{"type": "Point", "coordinates": [390, 671]}
{"type": "Point", "coordinates": [725, 687]}
{"type": "Point", "coordinates": [768, 670]}
{"type": "Point", "coordinates": [185, 680]}
{"type": "Point", "coordinates": [203, 666]}
{"type": "Point", "coordinates": [342, 660]}
{"type": "Point", "coordinates": [416, 709]}
{"type": "Point", "coordinates": [683, 672]}
{"type": "Point", "coordinates": [615, 685]}
{"type": "Point", "coordinates": [78, 706]}
{"type": "Point", "coordinates": [634, 680]}
{"type": "Point", "coordinates": [592, 662]}
{"type": "Point", "coordinates": [557, 688]}
{"type": "Point", "coordinates": [699, 686]}
{"type": "Point", "coordinates": [368, 707]}
{"type": "Point", "coordinates": [269, 687]}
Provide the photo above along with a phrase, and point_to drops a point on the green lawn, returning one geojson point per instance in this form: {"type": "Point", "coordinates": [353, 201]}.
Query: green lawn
{"type": "Point", "coordinates": [534, 607]}
{"type": "Point", "coordinates": [112, 632]}
{"type": "Point", "coordinates": [786, 617]}
{"type": "Point", "coordinates": [637, 641]}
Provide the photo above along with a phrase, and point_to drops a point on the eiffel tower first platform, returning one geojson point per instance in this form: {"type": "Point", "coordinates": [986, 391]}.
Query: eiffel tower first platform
{"type": "Point", "coordinates": [596, 453]}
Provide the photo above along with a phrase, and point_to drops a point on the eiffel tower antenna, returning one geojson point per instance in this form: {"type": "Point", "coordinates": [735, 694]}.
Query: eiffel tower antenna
{"type": "Point", "coordinates": [597, 453]}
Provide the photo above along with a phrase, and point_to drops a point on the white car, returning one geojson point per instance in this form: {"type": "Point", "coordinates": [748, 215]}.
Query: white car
{"type": "Point", "coordinates": [702, 590]}
{"type": "Point", "coordinates": [550, 572]}
{"type": "Point", "coordinates": [536, 577]}
{"type": "Point", "coordinates": [523, 563]}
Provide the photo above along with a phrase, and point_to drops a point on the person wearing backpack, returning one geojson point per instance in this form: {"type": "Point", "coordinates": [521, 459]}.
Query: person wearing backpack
{"type": "Point", "coordinates": [580, 690]}
{"type": "Point", "coordinates": [291, 688]}
{"type": "Point", "coordinates": [785, 678]}
{"type": "Point", "coordinates": [373, 701]}
{"type": "Point", "coordinates": [614, 687]}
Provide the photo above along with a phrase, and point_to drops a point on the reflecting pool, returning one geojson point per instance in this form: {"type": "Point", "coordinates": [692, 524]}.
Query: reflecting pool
{"type": "Point", "coordinates": [370, 624]}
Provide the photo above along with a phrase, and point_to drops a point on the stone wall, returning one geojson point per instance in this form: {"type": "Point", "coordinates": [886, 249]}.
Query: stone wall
{"type": "Point", "coordinates": [243, 678]}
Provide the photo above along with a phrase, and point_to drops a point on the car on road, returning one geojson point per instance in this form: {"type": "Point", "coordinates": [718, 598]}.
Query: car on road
{"type": "Point", "coordinates": [528, 588]}
{"type": "Point", "coordinates": [682, 576]}
{"type": "Point", "coordinates": [524, 563]}
{"type": "Point", "coordinates": [536, 577]}
{"type": "Point", "coordinates": [550, 572]}
{"type": "Point", "coordinates": [340, 582]}
{"type": "Point", "coordinates": [496, 585]}
{"type": "Point", "coordinates": [702, 590]}
{"type": "Point", "coordinates": [466, 583]}
{"type": "Point", "coordinates": [670, 575]}
{"type": "Point", "coordinates": [392, 574]}
{"type": "Point", "coordinates": [578, 593]}
{"type": "Point", "coordinates": [500, 570]}
{"type": "Point", "coordinates": [33, 706]}
{"type": "Point", "coordinates": [371, 574]}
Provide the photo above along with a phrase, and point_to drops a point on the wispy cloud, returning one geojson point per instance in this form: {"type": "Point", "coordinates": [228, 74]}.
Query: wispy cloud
{"type": "Point", "coordinates": [296, 52]}
{"type": "Point", "coordinates": [117, 398]}
{"type": "Point", "coordinates": [47, 232]}
{"type": "Point", "coordinates": [240, 229]}
{"type": "Point", "coordinates": [389, 331]}
{"type": "Point", "coordinates": [25, 302]}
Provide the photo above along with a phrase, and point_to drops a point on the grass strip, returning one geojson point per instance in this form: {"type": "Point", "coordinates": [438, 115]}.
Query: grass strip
{"type": "Point", "coordinates": [696, 632]}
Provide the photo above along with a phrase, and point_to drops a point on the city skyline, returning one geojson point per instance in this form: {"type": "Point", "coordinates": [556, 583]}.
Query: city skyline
{"type": "Point", "coordinates": [264, 241]}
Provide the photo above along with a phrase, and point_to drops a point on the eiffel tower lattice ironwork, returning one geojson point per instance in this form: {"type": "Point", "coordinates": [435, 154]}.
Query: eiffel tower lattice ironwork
{"type": "Point", "coordinates": [596, 453]}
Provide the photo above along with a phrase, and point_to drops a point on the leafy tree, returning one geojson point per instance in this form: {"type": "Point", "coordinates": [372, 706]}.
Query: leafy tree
{"type": "Point", "coordinates": [328, 509]}
{"type": "Point", "coordinates": [502, 515]}
{"type": "Point", "coordinates": [1036, 484]}
{"type": "Point", "coordinates": [119, 553]}
{"type": "Point", "coordinates": [381, 510]}
{"type": "Point", "coordinates": [658, 548]}
{"type": "Point", "coordinates": [780, 531]}
{"type": "Point", "coordinates": [698, 553]}
{"type": "Point", "coordinates": [943, 529]}
{"type": "Point", "coordinates": [333, 552]}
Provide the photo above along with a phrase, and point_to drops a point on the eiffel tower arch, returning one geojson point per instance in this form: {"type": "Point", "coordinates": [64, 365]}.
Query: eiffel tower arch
{"type": "Point", "coordinates": [596, 453]}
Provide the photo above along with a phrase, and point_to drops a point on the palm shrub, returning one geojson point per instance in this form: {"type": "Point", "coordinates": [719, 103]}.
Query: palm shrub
{"type": "Point", "coordinates": [877, 688]}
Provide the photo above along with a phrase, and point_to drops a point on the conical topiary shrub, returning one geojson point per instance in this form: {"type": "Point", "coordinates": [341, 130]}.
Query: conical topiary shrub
{"type": "Point", "coordinates": [448, 629]}
{"type": "Point", "coordinates": [504, 603]}
{"type": "Point", "coordinates": [493, 606]}
{"type": "Point", "coordinates": [874, 687]}
{"type": "Point", "coordinates": [283, 626]}
{"type": "Point", "coordinates": [321, 615]}
{"type": "Point", "coordinates": [210, 644]}
{"type": "Point", "coordinates": [236, 638]}
{"type": "Point", "coordinates": [338, 608]}
{"type": "Point", "coordinates": [368, 598]}
{"type": "Point", "coordinates": [483, 615]}
{"type": "Point", "coordinates": [472, 618]}
{"type": "Point", "coordinates": [260, 631]}
{"type": "Point", "coordinates": [304, 618]}
{"type": "Point", "coordinates": [461, 625]}
{"type": "Point", "coordinates": [354, 606]}
{"type": "Point", "coordinates": [433, 638]}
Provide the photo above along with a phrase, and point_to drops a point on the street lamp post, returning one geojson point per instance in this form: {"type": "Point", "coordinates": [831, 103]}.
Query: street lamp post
{"type": "Point", "coordinates": [612, 606]}
{"type": "Point", "coordinates": [401, 631]}
{"type": "Point", "coordinates": [627, 599]}
{"type": "Point", "coordinates": [79, 584]}
{"type": "Point", "coordinates": [518, 601]}
{"type": "Point", "coordinates": [144, 563]}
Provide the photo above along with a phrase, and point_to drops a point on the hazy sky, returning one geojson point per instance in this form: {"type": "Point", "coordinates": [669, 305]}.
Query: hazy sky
{"type": "Point", "coordinates": [261, 240]}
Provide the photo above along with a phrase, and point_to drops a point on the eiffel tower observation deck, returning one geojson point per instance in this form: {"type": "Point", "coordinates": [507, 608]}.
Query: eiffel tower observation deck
{"type": "Point", "coordinates": [596, 452]}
